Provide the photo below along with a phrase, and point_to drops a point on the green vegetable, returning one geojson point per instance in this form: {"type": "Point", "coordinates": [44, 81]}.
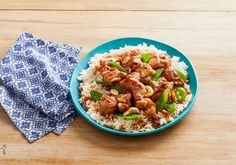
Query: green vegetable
{"type": "Point", "coordinates": [127, 117]}
{"type": "Point", "coordinates": [95, 95]}
{"type": "Point", "coordinates": [157, 75]}
{"type": "Point", "coordinates": [170, 107]}
{"type": "Point", "coordinates": [118, 88]}
{"type": "Point", "coordinates": [181, 75]}
{"type": "Point", "coordinates": [102, 83]}
{"type": "Point", "coordinates": [118, 66]}
{"type": "Point", "coordinates": [180, 94]}
{"type": "Point", "coordinates": [146, 57]}
{"type": "Point", "coordinates": [160, 103]}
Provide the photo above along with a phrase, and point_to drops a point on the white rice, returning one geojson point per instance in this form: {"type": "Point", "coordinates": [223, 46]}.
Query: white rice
{"type": "Point", "coordinates": [87, 77]}
{"type": "Point", "coordinates": [179, 65]}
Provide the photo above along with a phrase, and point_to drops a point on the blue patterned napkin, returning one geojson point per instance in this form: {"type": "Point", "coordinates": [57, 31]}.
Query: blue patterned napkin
{"type": "Point", "coordinates": [35, 75]}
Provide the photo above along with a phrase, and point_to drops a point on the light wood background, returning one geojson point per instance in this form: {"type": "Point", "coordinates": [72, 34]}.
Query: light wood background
{"type": "Point", "coordinates": [204, 30]}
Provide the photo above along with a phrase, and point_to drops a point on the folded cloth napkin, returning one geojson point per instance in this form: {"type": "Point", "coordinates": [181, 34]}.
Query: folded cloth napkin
{"type": "Point", "coordinates": [34, 91]}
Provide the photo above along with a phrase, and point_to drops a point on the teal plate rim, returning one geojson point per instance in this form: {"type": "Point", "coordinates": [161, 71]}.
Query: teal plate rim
{"type": "Point", "coordinates": [115, 44]}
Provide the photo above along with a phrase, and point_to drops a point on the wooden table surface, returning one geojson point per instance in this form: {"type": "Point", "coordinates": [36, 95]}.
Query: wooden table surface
{"type": "Point", "coordinates": [204, 30]}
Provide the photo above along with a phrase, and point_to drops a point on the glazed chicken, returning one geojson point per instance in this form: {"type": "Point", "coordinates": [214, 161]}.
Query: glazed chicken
{"type": "Point", "coordinates": [137, 88]}
{"type": "Point", "coordinates": [157, 62]}
{"type": "Point", "coordinates": [130, 60]}
{"type": "Point", "coordinates": [160, 87]}
{"type": "Point", "coordinates": [148, 106]}
{"type": "Point", "coordinates": [124, 102]}
{"type": "Point", "coordinates": [111, 75]}
{"type": "Point", "coordinates": [145, 70]}
{"type": "Point", "coordinates": [172, 76]}
{"type": "Point", "coordinates": [107, 105]}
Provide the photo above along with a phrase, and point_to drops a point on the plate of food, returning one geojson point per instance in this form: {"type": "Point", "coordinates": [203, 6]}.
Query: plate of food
{"type": "Point", "coordinates": [133, 86]}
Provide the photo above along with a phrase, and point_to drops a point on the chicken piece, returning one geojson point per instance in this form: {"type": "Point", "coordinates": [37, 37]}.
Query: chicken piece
{"type": "Point", "coordinates": [122, 75]}
{"type": "Point", "coordinates": [158, 90]}
{"type": "Point", "coordinates": [107, 105]}
{"type": "Point", "coordinates": [145, 103]}
{"type": "Point", "coordinates": [123, 107]}
{"type": "Point", "coordinates": [145, 70]}
{"type": "Point", "coordinates": [112, 74]}
{"type": "Point", "coordinates": [124, 98]}
{"type": "Point", "coordinates": [134, 75]}
{"type": "Point", "coordinates": [124, 102]}
{"type": "Point", "coordinates": [157, 62]}
{"type": "Point", "coordinates": [137, 88]}
{"type": "Point", "coordinates": [130, 60]}
{"type": "Point", "coordinates": [101, 66]}
{"type": "Point", "coordinates": [134, 52]}
{"type": "Point", "coordinates": [160, 86]}
{"type": "Point", "coordinates": [134, 63]}
{"type": "Point", "coordinates": [164, 56]}
{"type": "Point", "coordinates": [171, 75]}
{"type": "Point", "coordinates": [151, 112]}
{"type": "Point", "coordinates": [146, 80]}
{"type": "Point", "coordinates": [148, 106]}
{"type": "Point", "coordinates": [141, 104]}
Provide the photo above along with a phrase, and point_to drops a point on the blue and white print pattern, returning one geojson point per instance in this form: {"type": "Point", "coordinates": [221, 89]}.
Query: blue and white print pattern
{"type": "Point", "coordinates": [35, 75]}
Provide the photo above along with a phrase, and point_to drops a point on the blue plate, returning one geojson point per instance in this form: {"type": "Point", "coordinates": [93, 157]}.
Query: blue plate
{"type": "Point", "coordinates": [116, 44]}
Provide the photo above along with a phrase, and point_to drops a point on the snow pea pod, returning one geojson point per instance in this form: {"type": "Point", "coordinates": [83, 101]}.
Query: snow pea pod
{"type": "Point", "coordinates": [160, 103]}
{"type": "Point", "coordinates": [181, 75]}
{"type": "Point", "coordinates": [95, 95]}
{"type": "Point", "coordinates": [157, 74]}
{"type": "Point", "coordinates": [127, 117]}
{"type": "Point", "coordinates": [118, 88]}
{"type": "Point", "coordinates": [101, 83]}
{"type": "Point", "coordinates": [118, 66]}
{"type": "Point", "coordinates": [170, 107]}
{"type": "Point", "coordinates": [180, 94]}
{"type": "Point", "coordinates": [146, 57]}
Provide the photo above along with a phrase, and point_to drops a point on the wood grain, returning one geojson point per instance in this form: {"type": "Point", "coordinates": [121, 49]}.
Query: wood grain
{"type": "Point", "coordinates": [203, 30]}
{"type": "Point", "coordinates": [121, 5]}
